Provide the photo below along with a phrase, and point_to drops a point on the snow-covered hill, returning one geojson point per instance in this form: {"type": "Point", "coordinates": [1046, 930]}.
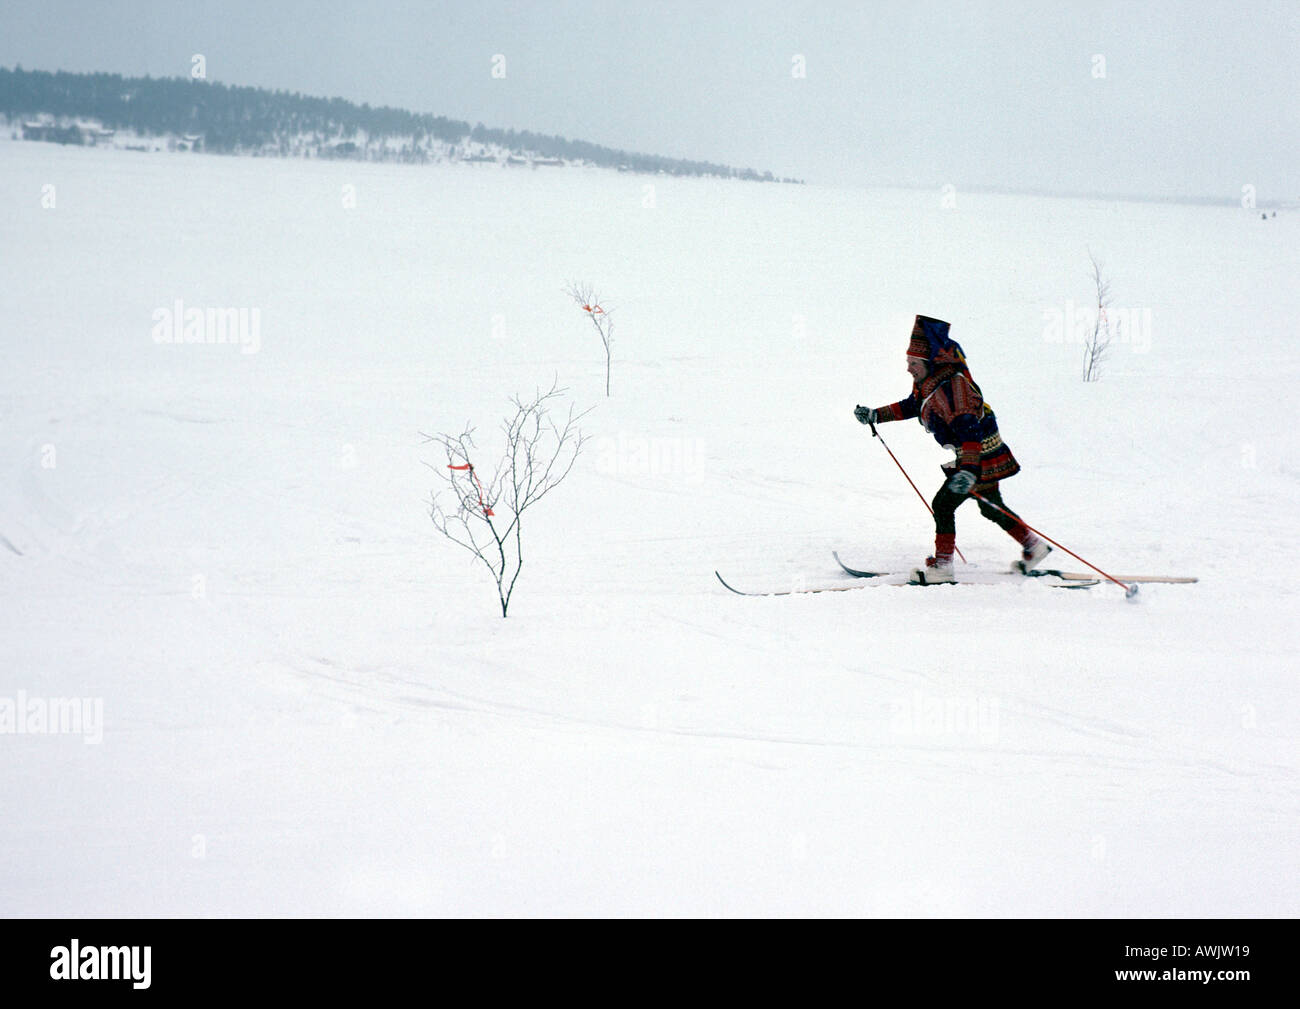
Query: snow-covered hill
{"type": "Point", "coordinates": [310, 704]}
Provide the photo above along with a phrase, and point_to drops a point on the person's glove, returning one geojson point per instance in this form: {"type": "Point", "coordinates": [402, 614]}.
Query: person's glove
{"type": "Point", "coordinates": [962, 482]}
{"type": "Point", "coordinates": [865, 415]}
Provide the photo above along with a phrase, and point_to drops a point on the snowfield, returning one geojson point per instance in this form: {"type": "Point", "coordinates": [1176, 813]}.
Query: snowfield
{"type": "Point", "coordinates": [311, 705]}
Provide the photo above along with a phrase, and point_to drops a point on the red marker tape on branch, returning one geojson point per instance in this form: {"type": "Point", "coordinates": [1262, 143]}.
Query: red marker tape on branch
{"type": "Point", "coordinates": [470, 466]}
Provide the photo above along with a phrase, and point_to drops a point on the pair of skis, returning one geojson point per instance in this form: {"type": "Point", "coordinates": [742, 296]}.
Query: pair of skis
{"type": "Point", "coordinates": [1053, 577]}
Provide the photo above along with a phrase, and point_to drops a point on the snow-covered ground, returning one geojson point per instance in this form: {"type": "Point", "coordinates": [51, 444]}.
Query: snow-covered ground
{"type": "Point", "coordinates": [311, 705]}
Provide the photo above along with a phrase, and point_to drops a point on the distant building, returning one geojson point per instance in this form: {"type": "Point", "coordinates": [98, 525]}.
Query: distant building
{"type": "Point", "coordinates": [347, 149]}
{"type": "Point", "coordinates": [53, 134]}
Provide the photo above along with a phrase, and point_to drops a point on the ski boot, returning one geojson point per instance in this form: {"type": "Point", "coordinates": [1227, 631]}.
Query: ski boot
{"type": "Point", "coordinates": [1035, 549]}
{"type": "Point", "coordinates": [937, 571]}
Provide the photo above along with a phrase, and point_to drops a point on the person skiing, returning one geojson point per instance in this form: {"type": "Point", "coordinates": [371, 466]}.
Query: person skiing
{"type": "Point", "coordinates": [951, 407]}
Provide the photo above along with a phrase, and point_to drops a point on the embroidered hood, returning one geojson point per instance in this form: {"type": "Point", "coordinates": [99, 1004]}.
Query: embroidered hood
{"type": "Point", "coordinates": [930, 341]}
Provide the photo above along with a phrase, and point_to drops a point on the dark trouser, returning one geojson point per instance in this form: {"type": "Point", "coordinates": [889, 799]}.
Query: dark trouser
{"type": "Point", "coordinates": [945, 506]}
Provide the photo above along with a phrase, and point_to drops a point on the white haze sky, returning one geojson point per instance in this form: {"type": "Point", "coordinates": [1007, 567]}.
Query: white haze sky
{"type": "Point", "coordinates": [1198, 99]}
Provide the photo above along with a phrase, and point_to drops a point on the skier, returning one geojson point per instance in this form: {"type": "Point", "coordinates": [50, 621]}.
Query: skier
{"type": "Point", "coordinates": [951, 407]}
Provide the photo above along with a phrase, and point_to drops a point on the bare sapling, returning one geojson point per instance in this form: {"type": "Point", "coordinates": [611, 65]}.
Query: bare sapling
{"type": "Point", "coordinates": [586, 298]}
{"type": "Point", "coordinates": [481, 508]}
{"type": "Point", "coordinates": [1096, 347]}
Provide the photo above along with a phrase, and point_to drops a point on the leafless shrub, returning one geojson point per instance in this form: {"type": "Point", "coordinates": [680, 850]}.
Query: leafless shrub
{"type": "Point", "coordinates": [1096, 348]}
{"type": "Point", "coordinates": [585, 297]}
{"type": "Point", "coordinates": [485, 515]}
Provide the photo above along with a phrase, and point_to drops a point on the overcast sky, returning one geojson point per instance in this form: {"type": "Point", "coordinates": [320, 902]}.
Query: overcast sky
{"type": "Point", "coordinates": [1197, 98]}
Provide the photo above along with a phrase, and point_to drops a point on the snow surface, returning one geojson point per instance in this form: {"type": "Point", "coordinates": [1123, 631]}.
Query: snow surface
{"type": "Point", "coordinates": [311, 705]}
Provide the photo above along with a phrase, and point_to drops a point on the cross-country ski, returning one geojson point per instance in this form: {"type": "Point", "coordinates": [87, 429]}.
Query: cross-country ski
{"type": "Point", "coordinates": [1042, 573]}
{"type": "Point", "coordinates": [907, 579]}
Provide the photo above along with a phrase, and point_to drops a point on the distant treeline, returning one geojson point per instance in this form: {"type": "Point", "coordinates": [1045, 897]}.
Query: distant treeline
{"type": "Point", "coordinates": [247, 119]}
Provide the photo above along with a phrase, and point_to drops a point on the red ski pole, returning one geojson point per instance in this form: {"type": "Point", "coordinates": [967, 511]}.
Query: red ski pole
{"type": "Point", "coordinates": [876, 434]}
{"type": "Point", "coordinates": [1129, 590]}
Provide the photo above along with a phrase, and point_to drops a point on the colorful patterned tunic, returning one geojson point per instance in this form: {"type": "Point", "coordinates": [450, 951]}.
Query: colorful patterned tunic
{"type": "Point", "coordinates": [951, 407]}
